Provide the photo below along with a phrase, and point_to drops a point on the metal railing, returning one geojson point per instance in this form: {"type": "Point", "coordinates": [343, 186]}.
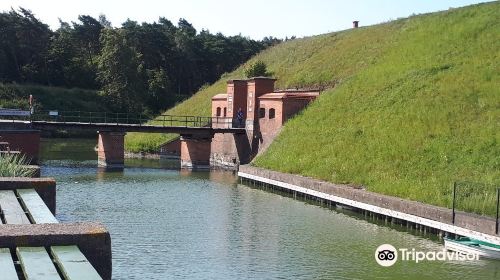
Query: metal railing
{"type": "Point", "coordinates": [498, 209]}
{"type": "Point", "coordinates": [128, 119]}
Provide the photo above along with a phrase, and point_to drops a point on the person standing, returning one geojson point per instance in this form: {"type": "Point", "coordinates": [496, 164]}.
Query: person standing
{"type": "Point", "coordinates": [239, 116]}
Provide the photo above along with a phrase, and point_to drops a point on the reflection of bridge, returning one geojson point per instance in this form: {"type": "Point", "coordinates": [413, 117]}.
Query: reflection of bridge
{"type": "Point", "coordinates": [112, 128]}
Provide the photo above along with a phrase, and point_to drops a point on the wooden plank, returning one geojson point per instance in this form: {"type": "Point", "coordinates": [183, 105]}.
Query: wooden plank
{"type": "Point", "coordinates": [12, 211]}
{"type": "Point", "coordinates": [36, 208]}
{"type": "Point", "coordinates": [7, 268]}
{"type": "Point", "coordinates": [73, 264]}
{"type": "Point", "coordinates": [36, 263]}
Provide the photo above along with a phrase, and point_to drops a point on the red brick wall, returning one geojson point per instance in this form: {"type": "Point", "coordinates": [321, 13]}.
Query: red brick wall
{"type": "Point", "coordinates": [292, 106]}
{"type": "Point", "coordinates": [257, 87]}
{"type": "Point", "coordinates": [284, 109]}
{"type": "Point", "coordinates": [219, 103]}
{"type": "Point", "coordinates": [221, 121]}
{"type": "Point", "coordinates": [277, 105]}
{"type": "Point", "coordinates": [237, 97]}
{"type": "Point", "coordinates": [195, 152]}
{"type": "Point", "coordinates": [110, 149]}
{"type": "Point", "coordinates": [25, 141]}
{"type": "Point", "coordinates": [230, 149]}
{"type": "Point", "coordinates": [223, 148]}
{"type": "Point", "coordinates": [171, 148]}
{"type": "Point", "coordinates": [270, 128]}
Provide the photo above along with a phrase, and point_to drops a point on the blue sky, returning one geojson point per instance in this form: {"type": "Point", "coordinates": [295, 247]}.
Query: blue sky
{"type": "Point", "coordinates": [256, 18]}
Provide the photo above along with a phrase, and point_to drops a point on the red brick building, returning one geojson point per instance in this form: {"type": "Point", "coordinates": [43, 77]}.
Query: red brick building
{"type": "Point", "coordinates": [264, 112]}
{"type": "Point", "coordinates": [275, 108]}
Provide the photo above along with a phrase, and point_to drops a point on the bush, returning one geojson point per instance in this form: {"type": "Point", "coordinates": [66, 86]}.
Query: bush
{"type": "Point", "coordinates": [257, 69]}
{"type": "Point", "coordinates": [14, 165]}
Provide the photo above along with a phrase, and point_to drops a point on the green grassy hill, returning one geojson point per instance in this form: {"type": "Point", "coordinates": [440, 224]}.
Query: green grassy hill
{"type": "Point", "coordinates": [413, 106]}
{"type": "Point", "coordinates": [319, 61]}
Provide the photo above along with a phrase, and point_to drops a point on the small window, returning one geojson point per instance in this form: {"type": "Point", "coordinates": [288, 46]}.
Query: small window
{"type": "Point", "coordinates": [225, 111]}
{"type": "Point", "coordinates": [262, 113]}
{"type": "Point", "coordinates": [218, 112]}
{"type": "Point", "coordinates": [271, 113]}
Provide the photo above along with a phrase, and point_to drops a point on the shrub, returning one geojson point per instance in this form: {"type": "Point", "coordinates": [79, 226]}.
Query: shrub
{"type": "Point", "coordinates": [257, 69]}
{"type": "Point", "coordinates": [14, 165]}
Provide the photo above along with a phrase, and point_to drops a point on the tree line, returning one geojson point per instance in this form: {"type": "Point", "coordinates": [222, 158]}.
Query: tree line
{"type": "Point", "coordinates": [143, 67]}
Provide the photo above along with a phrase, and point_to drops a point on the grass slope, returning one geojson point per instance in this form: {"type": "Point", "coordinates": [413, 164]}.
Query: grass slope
{"type": "Point", "coordinates": [319, 61]}
{"type": "Point", "coordinates": [415, 107]}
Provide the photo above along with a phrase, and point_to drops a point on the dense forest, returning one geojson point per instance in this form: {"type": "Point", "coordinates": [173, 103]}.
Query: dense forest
{"type": "Point", "coordinates": [142, 68]}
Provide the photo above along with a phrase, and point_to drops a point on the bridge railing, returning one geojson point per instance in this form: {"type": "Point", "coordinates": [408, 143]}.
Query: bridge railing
{"type": "Point", "coordinates": [129, 118]}
{"type": "Point", "coordinates": [134, 119]}
{"type": "Point", "coordinates": [225, 122]}
{"type": "Point", "coordinates": [182, 121]}
{"type": "Point", "coordinates": [87, 117]}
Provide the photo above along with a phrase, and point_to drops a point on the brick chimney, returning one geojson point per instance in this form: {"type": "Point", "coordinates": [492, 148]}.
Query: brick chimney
{"type": "Point", "coordinates": [355, 24]}
{"type": "Point", "coordinates": [236, 97]}
{"type": "Point", "coordinates": [256, 87]}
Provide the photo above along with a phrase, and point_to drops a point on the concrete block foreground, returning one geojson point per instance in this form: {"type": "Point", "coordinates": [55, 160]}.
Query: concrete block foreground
{"type": "Point", "coordinates": [45, 187]}
{"type": "Point", "coordinates": [93, 240]}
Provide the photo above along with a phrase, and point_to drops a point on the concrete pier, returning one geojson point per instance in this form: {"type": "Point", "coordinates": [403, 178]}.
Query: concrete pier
{"type": "Point", "coordinates": [423, 217]}
{"type": "Point", "coordinates": [195, 152]}
{"type": "Point", "coordinates": [110, 149]}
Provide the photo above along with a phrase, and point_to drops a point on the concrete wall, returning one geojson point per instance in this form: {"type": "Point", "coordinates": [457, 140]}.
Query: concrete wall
{"type": "Point", "coordinates": [468, 221]}
{"type": "Point", "coordinates": [45, 187]}
{"type": "Point", "coordinates": [26, 141]}
{"type": "Point", "coordinates": [93, 240]}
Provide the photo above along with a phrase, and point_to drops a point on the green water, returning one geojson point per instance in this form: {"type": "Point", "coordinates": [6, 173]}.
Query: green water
{"type": "Point", "coordinates": [172, 224]}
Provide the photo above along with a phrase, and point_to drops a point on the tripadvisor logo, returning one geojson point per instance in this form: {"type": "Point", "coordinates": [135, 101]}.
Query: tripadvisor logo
{"type": "Point", "coordinates": [388, 255]}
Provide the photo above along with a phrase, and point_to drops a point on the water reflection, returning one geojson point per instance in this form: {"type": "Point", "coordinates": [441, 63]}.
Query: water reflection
{"type": "Point", "coordinates": [171, 224]}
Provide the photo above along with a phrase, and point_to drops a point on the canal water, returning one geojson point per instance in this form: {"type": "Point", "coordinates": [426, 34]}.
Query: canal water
{"type": "Point", "coordinates": [172, 224]}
